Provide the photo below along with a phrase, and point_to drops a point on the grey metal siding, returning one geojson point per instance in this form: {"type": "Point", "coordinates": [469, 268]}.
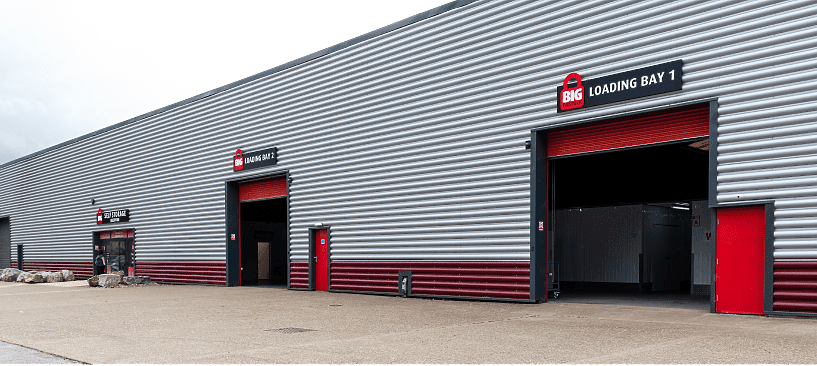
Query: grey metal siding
{"type": "Point", "coordinates": [411, 144]}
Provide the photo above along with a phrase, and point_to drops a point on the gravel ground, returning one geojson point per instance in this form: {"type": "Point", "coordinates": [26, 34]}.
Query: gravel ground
{"type": "Point", "coordinates": [208, 324]}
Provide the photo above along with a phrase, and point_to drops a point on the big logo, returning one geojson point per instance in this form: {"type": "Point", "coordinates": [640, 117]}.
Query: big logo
{"type": "Point", "coordinates": [239, 160]}
{"type": "Point", "coordinates": [572, 98]}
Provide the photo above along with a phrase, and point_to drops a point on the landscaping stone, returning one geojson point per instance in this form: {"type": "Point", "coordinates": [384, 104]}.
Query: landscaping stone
{"type": "Point", "coordinates": [68, 275]}
{"type": "Point", "coordinates": [136, 280]}
{"type": "Point", "coordinates": [30, 277]}
{"type": "Point", "coordinates": [10, 274]}
{"type": "Point", "coordinates": [110, 280]}
{"type": "Point", "coordinates": [51, 277]}
{"type": "Point", "coordinates": [93, 281]}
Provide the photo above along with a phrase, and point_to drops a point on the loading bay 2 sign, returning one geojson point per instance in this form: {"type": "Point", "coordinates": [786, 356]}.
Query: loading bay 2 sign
{"type": "Point", "coordinates": [576, 93]}
{"type": "Point", "coordinates": [255, 159]}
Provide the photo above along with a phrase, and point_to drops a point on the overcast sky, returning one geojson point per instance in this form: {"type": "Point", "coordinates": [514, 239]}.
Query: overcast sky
{"type": "Point", "coordinates": [68, 68]}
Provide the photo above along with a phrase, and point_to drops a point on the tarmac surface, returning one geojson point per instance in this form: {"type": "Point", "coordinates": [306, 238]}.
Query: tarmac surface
{"type": "Point", "coordinates": [208, 324]}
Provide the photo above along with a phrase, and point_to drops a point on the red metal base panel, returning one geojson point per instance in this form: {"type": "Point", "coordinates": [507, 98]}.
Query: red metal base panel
{"type": "Point", "coordinates": [81, 269]}
{"type": "Point", "coordinates": [13, 264]}
{"type": "Point", "coordinates": [489, 279]}
{"type": "Point", "coordinates": [213, 273]}
{"type": "Point", "coordinates": [795, 286]}
{"type": "Point", "coordinates": [299, 274]}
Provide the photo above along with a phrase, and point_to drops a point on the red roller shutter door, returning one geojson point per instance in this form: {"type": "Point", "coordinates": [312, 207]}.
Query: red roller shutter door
{"type": "Point", "coordinates": [643, 129]}
{"type": "Point", "coordinates": [276, 187]}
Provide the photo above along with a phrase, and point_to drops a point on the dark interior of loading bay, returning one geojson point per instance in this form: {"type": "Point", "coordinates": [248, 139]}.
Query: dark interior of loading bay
{"type": "Point", "coordinates": [624, 224]}
{"type": "Point", "coordinates": [264, 242]}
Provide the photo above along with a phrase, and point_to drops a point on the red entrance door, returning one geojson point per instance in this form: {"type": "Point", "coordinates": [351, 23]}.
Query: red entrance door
{"type": "Point", "coordinates": [321, 252]}
{"type": "Point", "coordinates": [740, 253]}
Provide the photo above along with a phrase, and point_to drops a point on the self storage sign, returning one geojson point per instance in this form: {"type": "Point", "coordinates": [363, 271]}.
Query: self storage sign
{"type": "Point", "coordinates": [256, 159]}
{"type": "Point", "coordinates": [112, 216]}
{"type": "Point", "coordinates": [575, 93]}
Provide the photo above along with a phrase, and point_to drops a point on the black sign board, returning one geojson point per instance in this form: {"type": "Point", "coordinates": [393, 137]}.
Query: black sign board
{"type": "Point", "coordinates": [255, 159]}
{"type": "Point", "coordinates": [650, 80]}
{"type": "Point", "coordinates": [112, 216]}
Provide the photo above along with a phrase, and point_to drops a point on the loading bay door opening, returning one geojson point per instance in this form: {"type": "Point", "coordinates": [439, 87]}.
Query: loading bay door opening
{"type": "Point", "coordinates": [258, 238]}
{"type": "Point", "coordinates": [623, 221]}
{"type": "Point", "coordinates": [264, 242]}
{"type": "Point", "coordinates": [625, 207]}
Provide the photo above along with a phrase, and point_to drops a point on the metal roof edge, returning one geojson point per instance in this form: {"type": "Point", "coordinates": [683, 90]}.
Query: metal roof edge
{"type": "Point", "coordinates": [383, 30]}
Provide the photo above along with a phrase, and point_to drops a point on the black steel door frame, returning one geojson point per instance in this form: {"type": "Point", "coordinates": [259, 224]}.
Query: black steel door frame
{"type": "Point", "coordinates": [231, 215]}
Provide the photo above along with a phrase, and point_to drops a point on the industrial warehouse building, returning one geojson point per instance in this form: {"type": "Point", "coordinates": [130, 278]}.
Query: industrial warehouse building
{"type": "Point", "coordinates": [480, 150]}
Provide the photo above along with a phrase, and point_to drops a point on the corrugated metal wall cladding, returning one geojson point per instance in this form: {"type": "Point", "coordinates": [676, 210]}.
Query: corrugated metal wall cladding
{"type": "Point", "coordinates": [496, 182]}
{"type": "Point", "coordinates": [428, 160]}
{"type": "Point", "coordinates": [480, 188]}
{"type": "Point", "coordinates": [450, 173]}
{"type": "Point", "coordinates": [490, 206]}
{"type": "Point", "coordinates": [422, 131]}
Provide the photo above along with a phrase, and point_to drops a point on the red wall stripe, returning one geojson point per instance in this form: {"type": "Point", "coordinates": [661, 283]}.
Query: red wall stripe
{"type": "Point", "coordinates": [81, 269]}
{"type": "Point", "coordinates": [490, 279]}
{"type": "Point", "coordinates": [214, 273]}
{"type": "Point", "coordinates": [795, 286]}
{"type": "Point", "coordinates": [299, 274]}
{"type": "Point", "coordinates": [275, 187]}
{"type": "Point", "coordinates": [648, 128]}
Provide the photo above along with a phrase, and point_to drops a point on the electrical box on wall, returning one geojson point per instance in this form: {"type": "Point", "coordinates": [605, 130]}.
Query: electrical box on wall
{"type": "Point", "coordinates": [404, 283]}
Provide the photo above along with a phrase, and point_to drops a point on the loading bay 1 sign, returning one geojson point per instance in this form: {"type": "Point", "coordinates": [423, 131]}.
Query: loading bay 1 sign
{"type": "Point", "coordinates": [255, 159]}
{"type": "Point", "coordinates": [650, 80]}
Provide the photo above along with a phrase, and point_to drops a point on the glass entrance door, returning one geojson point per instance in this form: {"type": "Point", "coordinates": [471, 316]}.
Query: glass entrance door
{"type": "Point", "coordinates": [117, 256]}
{"type": "Point", "coordinates": [116, 248]}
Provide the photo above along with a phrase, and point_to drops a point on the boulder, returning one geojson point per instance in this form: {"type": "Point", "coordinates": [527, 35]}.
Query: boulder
{"type": "Point", "coordinates": [10, 274]}
{"type": "Point", "coordinates": [51, 277]}
{"type": "Point", "coordinates": [93, 281]}
{"type": "Point", "coordinates": [68, 275]}
{"type": "Point", "coordinates": [136, 280]}
{"type": "Point", "coordinates": [30, 277]}
{"type": "Point", "coordinates": [110, 280]}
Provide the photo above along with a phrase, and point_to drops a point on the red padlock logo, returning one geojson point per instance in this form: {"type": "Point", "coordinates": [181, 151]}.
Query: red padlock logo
{"type": "Point", "coordinates": [572, 97]}
{"type": "Point", "coordinates": [239, 160]}
{"type": "Point", "coordinates": [99, 216]}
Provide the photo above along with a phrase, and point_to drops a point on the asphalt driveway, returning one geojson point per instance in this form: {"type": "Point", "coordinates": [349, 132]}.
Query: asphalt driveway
{"type": "Point", "coordinates": [206, 324]}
